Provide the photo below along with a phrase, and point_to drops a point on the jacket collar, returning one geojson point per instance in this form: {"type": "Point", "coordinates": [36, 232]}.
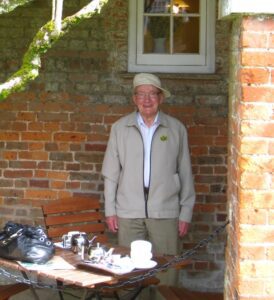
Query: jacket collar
{"type": "Point", "coordinates": [132, 119]}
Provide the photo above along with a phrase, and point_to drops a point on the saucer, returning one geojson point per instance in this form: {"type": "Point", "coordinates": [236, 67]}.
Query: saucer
{"type": "Point", "coordinates": [146, 265]}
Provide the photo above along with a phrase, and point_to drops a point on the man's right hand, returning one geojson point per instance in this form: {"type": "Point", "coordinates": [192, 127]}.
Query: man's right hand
{"type": "Point", "coordinates": [112, 223]}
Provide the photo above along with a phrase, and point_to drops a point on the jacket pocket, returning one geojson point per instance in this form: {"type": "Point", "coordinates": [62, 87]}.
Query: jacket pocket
{"type": "Point", "coordinates": [177, 182]}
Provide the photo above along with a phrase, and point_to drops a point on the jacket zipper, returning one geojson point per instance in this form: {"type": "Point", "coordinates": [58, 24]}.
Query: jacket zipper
{"type": "Point", "coordinates": [146, 194]}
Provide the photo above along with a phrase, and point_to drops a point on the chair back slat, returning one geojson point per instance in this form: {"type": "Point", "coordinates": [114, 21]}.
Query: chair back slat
{"type": "Point", "coordinates": [74, 214]}
{"type": "Point", "coordinates": [91, 229]}
{"type": "Point", "coordinates": [74, 218]}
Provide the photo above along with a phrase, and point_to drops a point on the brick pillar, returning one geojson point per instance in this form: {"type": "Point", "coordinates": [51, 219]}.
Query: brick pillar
{"type": "Point", "coordinates": [250, 248]}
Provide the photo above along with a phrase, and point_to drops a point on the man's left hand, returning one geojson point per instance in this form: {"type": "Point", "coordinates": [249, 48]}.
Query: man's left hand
{"type": "Point", "coordinates": [183, 228]}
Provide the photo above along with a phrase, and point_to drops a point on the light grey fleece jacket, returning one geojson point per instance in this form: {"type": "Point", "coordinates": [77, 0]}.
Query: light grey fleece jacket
{"type": "Point", "coordinates": [171, 190]}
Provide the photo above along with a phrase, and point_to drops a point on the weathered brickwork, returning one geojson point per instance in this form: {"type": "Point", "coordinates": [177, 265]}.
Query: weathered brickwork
{"type": "Point", "coordinates": [249, 255]}
{"type": "Point", "coordinates": [54, 134]}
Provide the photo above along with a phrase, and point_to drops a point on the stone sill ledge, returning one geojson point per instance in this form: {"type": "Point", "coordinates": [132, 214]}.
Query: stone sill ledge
{"type": "Point", "coordinates": [211, 77]}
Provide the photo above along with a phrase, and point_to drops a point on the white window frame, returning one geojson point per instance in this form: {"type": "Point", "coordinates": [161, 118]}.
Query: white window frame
{"type": "Point", "coordinates": [203, 62]}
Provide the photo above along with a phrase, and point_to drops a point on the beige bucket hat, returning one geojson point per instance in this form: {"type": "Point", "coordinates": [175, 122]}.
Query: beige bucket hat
{"type": "Point", "coordinates": [147, 78]}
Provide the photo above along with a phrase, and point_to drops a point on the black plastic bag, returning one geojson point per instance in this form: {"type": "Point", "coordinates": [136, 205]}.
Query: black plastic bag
{"type": "Point", "coordinates": [25, 243]}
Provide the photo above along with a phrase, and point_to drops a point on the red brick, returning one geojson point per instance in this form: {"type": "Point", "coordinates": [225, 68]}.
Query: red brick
{"type": "Point", "coordinates": [256, 164]}
{"type": "Point", "coordinates": [258, 269]}
{"type": "Point", "coordinates": [256, 234]}
{"type": "Point", "coordinates": [253, 216]}
{"type": "Point", "coordinates": [247, 286]}
{"type": "Point", "coordinates": [58, 175]}
{"type": "Point", "coordinates": [41, 173]}
{"type": "Point", "coordinates": [197, 151]}
{"type": "Point", "coordinates": [75, 185]}
{"type": "Point", "coordinates": [256, 112]}
{"type": "Point", "coordinates": [111, 119]}
{"type": "Point", "coordinates": [52, 126]}
{"type": "Point", "coordinates": [97, 137]}
{"type": "Point", "coordinates": [39, 183]}
{"type": "Point", "coordinates": [259, 24]}
{"type": "Point", "coordinates": [19, 126]}
{"type": "Point", "coordinates": [69, 137]}
{"type": "Point", "coordinates": [95, 147]}
{"type": "Point", "coordinates": [18, 173]}
{"type": "Point", "coordinates": [9, 155]}
{"type": "Point", "coordinates": [252, 252]}
{"type": "Point", "coordinates": [255, 94]}
{"type": "Point", "coordinates": [269, 288]}
{"type": "Point", "coordinates": [257, 59]}
{"type": "Point", "coordinates": [254, 75]}
{"type": "Point", "coordinates": [271, 41]}
{"type": "Point", "coordinates": [270, 252]}
{"type": "Point", "coordinates": [33, 155]}
{"type": "Point", "coordinates": [254, 40]}
{"type": "Point", "coordinates": [221, 141]}
{"type": "Point", "coordinates": [202, 188]}
{"type": "Point", "coordinates": [63, 194]}
{"type": "Point", "coordinates": [35, 126]}
{"type": "Point", "coordinates": [105, 108]}
{"type": "Point", "coordinates": [201, 141]}
{"type": "Point", "coordinates": [36, 136]}
{"type": "Point", "coordinates": [257, 129]}
{"type": "Point", "coordinates": [254, 181]}
{"type": "Point", "coordinates": [36, 146]}
{"type": "Point", "coordinates": [41, 194]}
{"type": "Point", "coordinates": [47, 97]}
{"type": "Point", "coordinates": [26, 116]}
{"type": "Point", "coordinates": [205, 207]}
{"type": "Point", "coordinates": [57, 184]}
{"type": "Point", "coordinates": [271, 217]}
{"type": "Point", "coordinates": [254, 146]}
{"type": "Point", "coordinates": [9, 136]}
{"type": "Point", "coordinates": [260, 199]}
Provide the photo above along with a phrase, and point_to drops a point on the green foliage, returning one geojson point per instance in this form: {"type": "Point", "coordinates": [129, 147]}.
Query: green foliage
{"type": "Point", "coordinates": [42, 42]}
{"type": "Point", "coordinates": [159, 26]}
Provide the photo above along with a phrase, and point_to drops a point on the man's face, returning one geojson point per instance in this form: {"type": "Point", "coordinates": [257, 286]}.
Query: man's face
{"type": "Point", "coordinates": [147, 98]}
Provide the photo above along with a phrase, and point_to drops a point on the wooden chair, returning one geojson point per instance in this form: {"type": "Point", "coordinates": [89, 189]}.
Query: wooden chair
{"type": "Point", "coordinates": [81, 214]}
{"type": "Point", "coordinates": [74, 214]}
{"type": "Point", "coordinates": [6, 291]}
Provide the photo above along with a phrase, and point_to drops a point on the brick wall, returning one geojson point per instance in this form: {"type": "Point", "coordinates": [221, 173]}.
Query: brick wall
{"type": "Point", "coordinates": [53, 135]}
{"type": "Point", "coordinates": [250, 251]}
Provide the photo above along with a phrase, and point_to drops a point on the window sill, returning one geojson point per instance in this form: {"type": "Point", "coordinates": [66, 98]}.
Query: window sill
{"type": "Point", "coordinates": [176, 76]}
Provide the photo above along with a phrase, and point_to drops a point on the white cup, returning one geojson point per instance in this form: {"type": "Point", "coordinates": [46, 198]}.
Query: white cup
{"type": "Point", "coordinates": [140, 252]}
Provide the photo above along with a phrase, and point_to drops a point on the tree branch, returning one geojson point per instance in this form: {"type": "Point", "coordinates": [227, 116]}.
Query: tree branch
{"type": "Point", "coordinates": [7, 6]}
{"type": "Point", "coordinates": [42, 42]}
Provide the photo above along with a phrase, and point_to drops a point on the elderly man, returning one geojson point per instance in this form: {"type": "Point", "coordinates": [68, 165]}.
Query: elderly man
{"type": "Point", "coordinates": [149, 191]}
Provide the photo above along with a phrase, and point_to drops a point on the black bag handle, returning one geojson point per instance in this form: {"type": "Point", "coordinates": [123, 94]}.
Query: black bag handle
{"type": "Point", "coordinates": [9, 239]}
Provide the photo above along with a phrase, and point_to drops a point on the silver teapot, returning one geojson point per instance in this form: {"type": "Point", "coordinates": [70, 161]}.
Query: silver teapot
{"type": "Point", "coordinates": [66, 239]}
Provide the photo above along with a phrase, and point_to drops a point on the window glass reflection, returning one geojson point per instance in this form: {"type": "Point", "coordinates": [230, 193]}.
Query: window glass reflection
{"type": "Point", "coordinates": [156, 6]}
{"type": "Point", "coordinates": [186, 35]}
{"type": "Point", "coordinates": [171, 26]}
{"type": "Point", "coordinates": [178, 6]}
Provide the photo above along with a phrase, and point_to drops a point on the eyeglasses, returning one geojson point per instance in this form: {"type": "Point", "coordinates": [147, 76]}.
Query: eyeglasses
{"type": "Point", "coordinates": [151, 95]}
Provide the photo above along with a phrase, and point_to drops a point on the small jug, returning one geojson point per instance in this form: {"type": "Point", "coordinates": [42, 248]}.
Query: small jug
{"type": "Point", "coordinates": [80, 243]}
{"type": "Point", "coordinates": [96, 254]}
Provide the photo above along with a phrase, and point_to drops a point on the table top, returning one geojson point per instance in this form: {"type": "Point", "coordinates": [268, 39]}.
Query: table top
{"type": "Point", "coordinates": [81, 277]}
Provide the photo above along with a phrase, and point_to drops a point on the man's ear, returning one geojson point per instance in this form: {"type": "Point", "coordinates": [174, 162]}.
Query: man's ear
{"type": "Point", "coordinates": [162, 98]}
{"type": "Point", "coordinates": [134, 99]}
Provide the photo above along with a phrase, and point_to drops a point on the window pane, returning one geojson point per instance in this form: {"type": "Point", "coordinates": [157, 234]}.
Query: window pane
{"type": "Point", "coordinates": [156, 6]}
{"type": "Point", "coordinates": [186, 6]}
{"type": "Point", "coordinates": [186, 35]}
{"type": "Point", "coordinates": [156, 34]}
